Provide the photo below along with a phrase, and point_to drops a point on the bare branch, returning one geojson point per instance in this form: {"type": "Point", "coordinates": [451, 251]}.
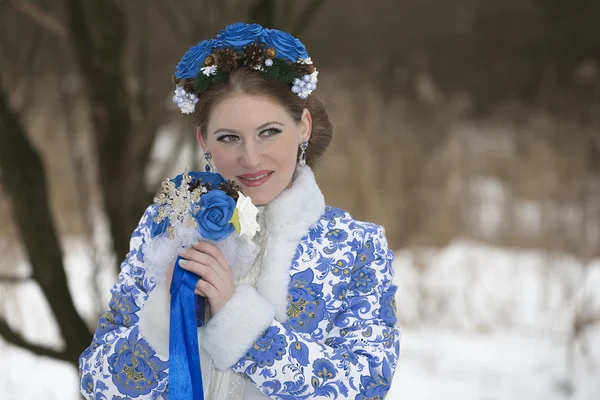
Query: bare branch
{"type": "Point", "coordinates": [14, 279]}
{"type": "Point", "coordinates": [40, 17]}
{"type": "Point", "coordinates": [26, 63]}
{"type": "Point", "coordinates": [16, 339]}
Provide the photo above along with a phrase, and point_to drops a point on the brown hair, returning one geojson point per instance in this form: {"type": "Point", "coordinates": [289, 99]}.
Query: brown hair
{"type": "Point", "coordinates": [248, 81]}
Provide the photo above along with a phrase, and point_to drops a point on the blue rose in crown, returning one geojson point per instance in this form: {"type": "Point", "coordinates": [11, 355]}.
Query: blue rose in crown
{"type": "Point", "coordinates": [190, 64]}
{"type": "Point", "coordinates": [287, 46]}
{"type": "Point", "coordinates": [239, 35]}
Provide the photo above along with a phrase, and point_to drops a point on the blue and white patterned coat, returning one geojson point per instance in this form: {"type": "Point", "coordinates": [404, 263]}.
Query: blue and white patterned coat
{"type": "Point", "coordinates": [320, 323]}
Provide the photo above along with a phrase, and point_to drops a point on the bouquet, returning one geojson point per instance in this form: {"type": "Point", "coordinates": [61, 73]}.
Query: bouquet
{"type": "Point", "coordinates": [191, 207]}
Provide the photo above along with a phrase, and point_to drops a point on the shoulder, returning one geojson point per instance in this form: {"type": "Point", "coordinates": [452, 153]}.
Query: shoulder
{"type": "Point", "coordinates": [337, 218]}
{"type": "Point", "coordinates": [334, 221]}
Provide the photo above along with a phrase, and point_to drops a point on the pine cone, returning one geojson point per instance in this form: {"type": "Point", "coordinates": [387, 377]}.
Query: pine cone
{"type": "Point", "coordinates": [254, 55]}
{"type": "Point", "coordinates": [188, 86]}
{"type": "Point", "coordinates": [194, 185]}
{"type": "Point", "coordinates": [302, 69]}
{"type": "Point", "coordinates": [227, 59]}
{"type": "Point", "coordinates": [231, 189]}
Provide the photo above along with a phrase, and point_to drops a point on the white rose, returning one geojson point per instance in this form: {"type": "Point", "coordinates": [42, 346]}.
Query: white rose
{"type": "Point", "coordinates": [247, 213]}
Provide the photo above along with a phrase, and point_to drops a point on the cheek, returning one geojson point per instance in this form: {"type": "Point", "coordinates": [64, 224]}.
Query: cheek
{"type": "Point", "coordinates": [224, 160]}
{"type": "Point", "coordinates": [284, 152]}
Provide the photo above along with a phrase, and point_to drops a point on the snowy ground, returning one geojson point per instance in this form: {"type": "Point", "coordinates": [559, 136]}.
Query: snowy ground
{"type": "Point", "coordinates": [486, 324]}
{"type": "Point", "coordinates": [479, 323]}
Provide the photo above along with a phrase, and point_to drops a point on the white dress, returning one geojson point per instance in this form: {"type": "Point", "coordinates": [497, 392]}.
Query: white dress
{"type": "Point", "coordinates": [228, 385]}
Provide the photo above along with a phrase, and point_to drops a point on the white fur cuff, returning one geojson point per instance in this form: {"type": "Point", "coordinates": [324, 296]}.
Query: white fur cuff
{"type": "Point", "coordinates": [155, 318]}
{"type": "Point", "coordinates": [231, 332]}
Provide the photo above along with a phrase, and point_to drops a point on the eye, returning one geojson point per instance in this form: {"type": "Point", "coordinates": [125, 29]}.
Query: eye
{"type": "Point", "coordinates": [272, 131]}
{"type": "Point", "coordinates": [228, 138]}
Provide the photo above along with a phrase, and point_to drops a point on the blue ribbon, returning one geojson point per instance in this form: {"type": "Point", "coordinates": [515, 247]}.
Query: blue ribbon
{"type": "Point", "coordinates": [185, 375]}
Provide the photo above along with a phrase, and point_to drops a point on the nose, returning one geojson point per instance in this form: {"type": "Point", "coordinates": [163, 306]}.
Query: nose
{"type": "Point", "coordinates": [251, 156]}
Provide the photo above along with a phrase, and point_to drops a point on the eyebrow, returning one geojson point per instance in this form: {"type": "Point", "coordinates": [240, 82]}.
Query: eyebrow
{"type": "Point", "coordinates": [226, 130]}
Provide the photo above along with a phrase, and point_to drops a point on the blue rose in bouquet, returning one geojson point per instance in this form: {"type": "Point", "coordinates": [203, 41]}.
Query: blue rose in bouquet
{"type": "Point", "coordinates": [285, 45]}
{"type": "Point", "coordinates": [239, 35]}
{"type": "Point", "coordinates": [210, 178]}
{"type": "Point", "coordinates": [192, 61]}
{"type": "Point", "coordinates": [215, 215]}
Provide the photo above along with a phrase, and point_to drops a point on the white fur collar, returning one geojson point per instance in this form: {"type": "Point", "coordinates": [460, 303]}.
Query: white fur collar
{"type": "Point", "coordinates": [289, 218]}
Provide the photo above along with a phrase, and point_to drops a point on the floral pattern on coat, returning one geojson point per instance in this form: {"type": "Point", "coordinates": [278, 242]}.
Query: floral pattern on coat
{"type": "Point", "coordinates": [340, 338]}
{"type": "Point", "coordinates": [341, 327]}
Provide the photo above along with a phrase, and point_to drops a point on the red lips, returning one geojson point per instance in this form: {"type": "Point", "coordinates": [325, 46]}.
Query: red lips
{"type": "Point", "coordinates": [256, 179]}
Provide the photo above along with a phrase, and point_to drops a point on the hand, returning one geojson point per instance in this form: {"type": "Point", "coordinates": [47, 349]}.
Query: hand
{"type": "Point", "coordinates": [207, 261]}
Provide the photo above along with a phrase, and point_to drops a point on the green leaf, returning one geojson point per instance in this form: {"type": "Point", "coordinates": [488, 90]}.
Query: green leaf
{"type": "Point", "coordinates": [235, 221]}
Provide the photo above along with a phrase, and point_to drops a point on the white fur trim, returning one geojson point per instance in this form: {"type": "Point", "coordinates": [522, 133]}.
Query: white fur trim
{"type": "Point", "coordinates": [231, 332]}
{"type": "Point", "coordinates": [289, 218]}
{"type": "Point", "coordinates": [155, 318]}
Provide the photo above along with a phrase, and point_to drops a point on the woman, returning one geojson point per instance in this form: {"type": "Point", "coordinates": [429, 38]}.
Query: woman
{"type": "Point", "coordinates": [314, 316]}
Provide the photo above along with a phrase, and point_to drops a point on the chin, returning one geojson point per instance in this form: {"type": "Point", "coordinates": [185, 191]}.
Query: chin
{"type": "Point", "coordinates": [259, 199]}
{"type": "Point", "coordinates": [259, 196]}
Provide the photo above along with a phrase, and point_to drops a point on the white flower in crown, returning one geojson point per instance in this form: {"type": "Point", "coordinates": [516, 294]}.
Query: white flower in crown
{"type": "Point", "coordinates": [305, 61]}
{"type": "Point", "coordinates": [247, 213]}
{"type": "Point", "coordinates": [210, 70]}
{"type": "Point", "coordinates": [185, 101]}
{"type": "Point", "coordinates": [305, 86]}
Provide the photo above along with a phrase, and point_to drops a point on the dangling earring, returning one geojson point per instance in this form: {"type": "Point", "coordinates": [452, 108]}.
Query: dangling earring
{"type": "Point", "coordinates": [208, 166]}
{"type": "Point", "coordinates": [302, 158]}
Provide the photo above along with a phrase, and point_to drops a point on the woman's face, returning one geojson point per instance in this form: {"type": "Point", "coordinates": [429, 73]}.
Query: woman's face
{"type": "Point", "coordinates": [255, 142]}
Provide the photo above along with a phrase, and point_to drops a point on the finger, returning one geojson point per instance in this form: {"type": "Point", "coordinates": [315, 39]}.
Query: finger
{"type": "Point", "coordinates": [204, 271]}
{"type": "Point", "coordinates": [214, 252]}
{"type": "Point", "coordinates": [200, 257]}
{"type": "Point", "coordinates": [205, 259]}
{"type": "Point", "coordinates": [208, 290]}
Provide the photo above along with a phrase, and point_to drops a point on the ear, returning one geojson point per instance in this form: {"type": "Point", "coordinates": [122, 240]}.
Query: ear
{"type": "Point", "coordinates": [306, 122]}
{"type": "Point", "coordinates": [199, 137]}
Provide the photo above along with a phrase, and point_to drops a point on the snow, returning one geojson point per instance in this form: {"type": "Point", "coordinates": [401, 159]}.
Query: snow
{"type": "Point", "coordinates": [439, 364]}
{"type": "Point", "coordinates": [490, 323]}
{"type": "Point", "coordinates": [478, 323]}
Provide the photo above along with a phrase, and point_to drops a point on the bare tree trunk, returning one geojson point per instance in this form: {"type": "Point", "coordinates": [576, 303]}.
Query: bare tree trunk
{"type": "Point", "coordinates": [25, 181]}
{"type": "Point", "coordinates": [99, 47]}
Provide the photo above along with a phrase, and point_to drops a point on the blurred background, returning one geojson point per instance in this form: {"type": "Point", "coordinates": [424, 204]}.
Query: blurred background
{"type": "Point", "coordinates": [470, 129]}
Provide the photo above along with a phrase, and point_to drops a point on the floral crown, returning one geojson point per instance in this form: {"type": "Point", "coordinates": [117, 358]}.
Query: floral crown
{"type": "Point", "coordinates": [276, 54]}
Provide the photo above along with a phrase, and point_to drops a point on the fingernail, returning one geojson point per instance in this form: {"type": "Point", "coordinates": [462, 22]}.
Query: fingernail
{"type": "Point", "coordinates": [183, 262]}
{"type": "Point", "coordinates": [182, 250]}
{"type": "Point", "coordinates": [195, 243]}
